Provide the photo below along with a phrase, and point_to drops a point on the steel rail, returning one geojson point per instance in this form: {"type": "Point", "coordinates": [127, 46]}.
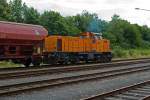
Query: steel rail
{"type": "Point", "coordinates": [147, 98]}
{"type": "Point", "coordinates": [125, 92]}
{"type": "Point", "coordinates": [54, 66]}
{"type": "Point", "coordinates": [44, 71]}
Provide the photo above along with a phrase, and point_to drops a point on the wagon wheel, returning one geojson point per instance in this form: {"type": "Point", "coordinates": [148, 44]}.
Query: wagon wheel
{"type": "Point", "coordinates": [36, 62]}
{"type": "Point", "coordinates": [27, 62]}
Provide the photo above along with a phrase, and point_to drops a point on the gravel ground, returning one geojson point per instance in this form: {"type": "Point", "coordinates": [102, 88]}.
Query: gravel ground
{"type": "Point", "coordinates": [60, 75]}
{"type": "Point", "coordinates": [81, 90]}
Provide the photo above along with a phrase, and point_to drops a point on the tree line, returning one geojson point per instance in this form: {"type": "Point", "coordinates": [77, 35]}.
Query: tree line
{"type": "Point", "coordinates": [120, 32]}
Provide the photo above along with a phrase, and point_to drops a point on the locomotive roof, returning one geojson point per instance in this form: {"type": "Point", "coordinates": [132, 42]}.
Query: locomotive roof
{"type": "Point", "coordinates": [13, 30]}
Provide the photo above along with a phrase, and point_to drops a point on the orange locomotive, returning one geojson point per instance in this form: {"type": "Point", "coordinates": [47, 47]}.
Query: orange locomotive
{"type": "Point", "coordinates": [68, 49]}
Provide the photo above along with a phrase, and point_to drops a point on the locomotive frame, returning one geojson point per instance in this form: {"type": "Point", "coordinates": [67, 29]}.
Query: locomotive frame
{"type": "Point", "coordinates": [75, 57]}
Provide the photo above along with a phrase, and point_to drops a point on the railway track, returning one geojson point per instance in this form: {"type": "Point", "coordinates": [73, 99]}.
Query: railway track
{"type": "Point", "coordinates": [140, 91]}
{"type": "Point", "coordinates": [15, 88]}
{"type": "Point", "coordinates": [54, 66]}
{"type": "Point", "coordinates": [48, 70]}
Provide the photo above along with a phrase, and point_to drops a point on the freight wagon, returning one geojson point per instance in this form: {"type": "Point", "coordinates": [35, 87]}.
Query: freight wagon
{"type": "Point", "coordinates": [21, 43]}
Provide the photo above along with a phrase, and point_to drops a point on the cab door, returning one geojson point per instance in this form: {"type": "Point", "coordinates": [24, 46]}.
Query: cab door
{"type": "Point", "coordinates": [59, 44]}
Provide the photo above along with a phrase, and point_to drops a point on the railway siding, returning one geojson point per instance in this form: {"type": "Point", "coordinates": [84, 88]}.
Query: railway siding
{"type": "Point", "coordinates": [140, 91]}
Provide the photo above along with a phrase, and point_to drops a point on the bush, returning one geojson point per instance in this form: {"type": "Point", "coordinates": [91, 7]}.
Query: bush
{"type": "Point", "coordinates": [130, 53]}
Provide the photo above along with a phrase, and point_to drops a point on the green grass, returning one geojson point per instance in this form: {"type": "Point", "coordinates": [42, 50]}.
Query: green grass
{"type": "Point", "coordinates": [131, 53]}
{"type": "Point", "coordinates": [8, 64]}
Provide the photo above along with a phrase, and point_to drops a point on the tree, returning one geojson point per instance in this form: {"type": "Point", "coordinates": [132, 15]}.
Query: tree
{"type": "Point", "coordinates": [82, 21]}
{"type": "Point", "coordinates": [132, 36]}
{"type": "Point", "coordinates": [16, 9]}
{"type": "Point", "coordinates": [4, 10]}
{"type": "Point", "coordinates": [145, 32]}
{"type": "Point", "coordinates": [30, 15]}
{"type": "Point", "coordinates": [125, 34]}
{"type": "Point", "coordinates": [116, 31]}
{"type": "Point", "coordinates": [70, 25]}
{"type": "Point", "coordinates": [53, 22]}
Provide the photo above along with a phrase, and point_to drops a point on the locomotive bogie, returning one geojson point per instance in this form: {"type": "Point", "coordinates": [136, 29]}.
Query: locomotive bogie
{"type": "Point", "coordinates": [72, 57]}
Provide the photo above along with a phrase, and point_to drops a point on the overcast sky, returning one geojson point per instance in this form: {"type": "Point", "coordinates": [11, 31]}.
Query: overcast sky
{"type": "Point", "coordinates": [104, 8]}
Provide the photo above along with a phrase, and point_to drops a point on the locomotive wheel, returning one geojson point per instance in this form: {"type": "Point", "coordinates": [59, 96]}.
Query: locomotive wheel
{"type": "Point", "coordinates": [53, 61]}
{"type": "Point", "coordinates": [67, 61]}
{"type": "Point", "coordinates": [86, 60]}
{"type": "Point", "coordinates": [27, 63]}
{"type": "Point", "coordinates": [109, 59]}
{"type": "Point", "coordinates": [101, 60]}
{"type": "Point", "coordinates": [15, 61]}
{"type": "Point", "coordinates": [105, 59]}
{"type": "Point", "coordinates": [74, 61]}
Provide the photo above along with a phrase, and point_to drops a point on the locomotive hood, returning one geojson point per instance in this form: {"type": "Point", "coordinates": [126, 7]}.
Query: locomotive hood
{"type": "Point", "coordinates": [12, 30]}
